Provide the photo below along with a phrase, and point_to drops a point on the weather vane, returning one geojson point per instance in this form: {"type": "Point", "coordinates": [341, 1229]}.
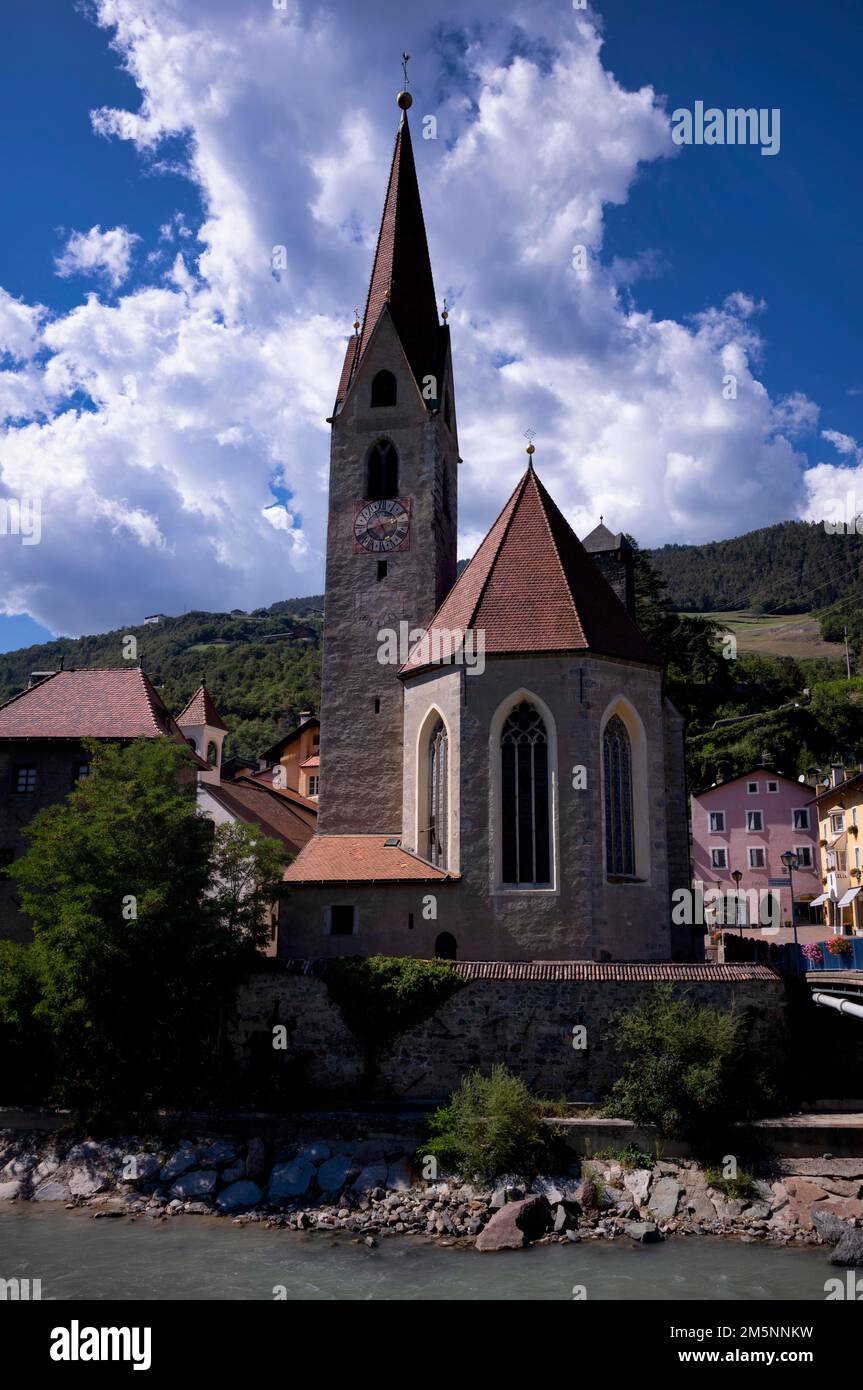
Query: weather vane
{"type": "Point", "coordinates": [530, 435]}
{"type": "Point", "coordinates": [406, 57]}
{"type": "Point", "coordinates": [357, 322]}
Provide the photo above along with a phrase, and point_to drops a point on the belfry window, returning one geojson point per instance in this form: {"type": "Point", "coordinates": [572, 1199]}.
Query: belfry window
{"type": "Point", "coordinates": [437, 794]}
{"type": "Point", "coordinates": [617, 771]}
{"type": "Point", "coordinates": [384, 389]}
{"type": "Point", "coordinates": [383, 479]}
{"type": "Point", "coordinates": [525, 821]}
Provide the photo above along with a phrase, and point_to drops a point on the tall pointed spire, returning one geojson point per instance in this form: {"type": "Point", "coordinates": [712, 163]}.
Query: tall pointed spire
{"type": "Point", "coordinates": [401, 274]}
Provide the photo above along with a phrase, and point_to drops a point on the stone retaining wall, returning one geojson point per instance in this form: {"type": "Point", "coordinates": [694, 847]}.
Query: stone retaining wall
{"type": "Point", "coordinates": [526, 1023]}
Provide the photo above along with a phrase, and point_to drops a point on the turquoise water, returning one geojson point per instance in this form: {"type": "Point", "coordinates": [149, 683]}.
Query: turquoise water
{"type": "Point", "coordinates": [205, 1258]}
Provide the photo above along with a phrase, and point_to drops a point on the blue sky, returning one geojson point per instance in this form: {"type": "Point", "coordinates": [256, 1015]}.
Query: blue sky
{"type": "Point", "coordinates": [164, 395]}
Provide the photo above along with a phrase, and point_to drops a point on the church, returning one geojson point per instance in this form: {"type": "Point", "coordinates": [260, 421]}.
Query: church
{"type": "Point", "coordinates": [510, 786]}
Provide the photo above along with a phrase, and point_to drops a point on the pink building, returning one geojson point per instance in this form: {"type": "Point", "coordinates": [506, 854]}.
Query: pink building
{"type": "Point", "coordinates": [747, 824]}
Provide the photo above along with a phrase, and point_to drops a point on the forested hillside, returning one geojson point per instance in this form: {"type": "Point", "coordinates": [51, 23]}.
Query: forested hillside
{"type": "Point", "coordinates": [792, 567]}
{"type": "Point", "coordinates": [263, 668]}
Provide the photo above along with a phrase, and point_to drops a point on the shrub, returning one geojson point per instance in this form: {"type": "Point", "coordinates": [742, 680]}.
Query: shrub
{"type": "Point", "coordinates": [382, 996]}
{"type": "Point", "coordinates": [741, 1188]}
{"type": "Point", "coordinates": [630, 1156]}
{"type": "Point", "coordinates": [685, 1068]}
{"type": "Point", "coordinates": [491, 1125]}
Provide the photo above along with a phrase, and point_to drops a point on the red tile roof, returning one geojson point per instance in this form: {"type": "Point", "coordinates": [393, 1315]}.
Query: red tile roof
{"type": "Point", "coordinates": [532, 587]}
{"type": "Point", "coordinates": [201, 710]}
{"type": "Point", "coordinates": [641, 972]}
{"type": "Point", "coordinates": [96, 704]}
{"type": "Point", "coordinates": [359, 859]}
{"type": "Point", "coordinates": [257, 805]}
{"type": "Point", "coordinates": [265, 779]}
{"type": "Point", "coordinates": [401, 275]}
{"type": "Point", "coordinates": [314, 761]}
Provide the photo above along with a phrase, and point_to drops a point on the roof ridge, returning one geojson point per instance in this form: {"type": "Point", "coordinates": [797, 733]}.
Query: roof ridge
{"type": "Point", "coordinates": [542, 493]}
{"type": "Point", "coordinates": [27, 690]}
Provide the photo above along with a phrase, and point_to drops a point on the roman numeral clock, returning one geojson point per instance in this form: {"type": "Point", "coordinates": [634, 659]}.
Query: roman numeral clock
{"type": "Point", "coordinates": [382, 528]}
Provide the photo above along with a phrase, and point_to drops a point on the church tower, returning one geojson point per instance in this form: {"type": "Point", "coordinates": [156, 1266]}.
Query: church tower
{"type": "Point", "coordinates": [391, 536]}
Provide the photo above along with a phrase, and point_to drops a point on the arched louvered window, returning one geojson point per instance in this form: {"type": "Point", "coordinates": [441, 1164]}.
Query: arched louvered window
{"type": "Point", "coordinates": [384, 389]}
{"type": "Point", "coordinates": [525, 822]}
{"type": "Point", "coordinates": [437, 794]}
{"type": "Point", "coordinates": [383, 479]}
{"type": "Point", "coordinates": [212, 755]}
{"type": "Point", "coordinates": [617, 770]}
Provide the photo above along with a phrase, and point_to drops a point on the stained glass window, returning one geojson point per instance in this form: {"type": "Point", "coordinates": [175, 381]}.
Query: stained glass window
{"type": "Point", "coordinates": [617, 767]}
{"type": "Point", "coordinates": [438, 773]}
{"type": "Point", "coordinates": [525, 822]}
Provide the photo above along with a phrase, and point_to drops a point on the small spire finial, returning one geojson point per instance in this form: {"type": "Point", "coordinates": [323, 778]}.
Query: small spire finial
{"type": "Point", "coordinates": [404, 98]}
{"type": "Point", "coordinates": [357, 322]}
{"type": "Point", "coordinates": [600, 518]}
{"type": "Point", "coordinates": [444, 311]}
{"type": "Point", "coordinates": [530, 435]}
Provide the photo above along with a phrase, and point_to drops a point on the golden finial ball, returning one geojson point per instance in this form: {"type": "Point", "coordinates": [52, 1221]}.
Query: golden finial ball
{"type": "Point", "coordinates": [405, 100]}
{"type": "Point", "coordinates": [530, 449]}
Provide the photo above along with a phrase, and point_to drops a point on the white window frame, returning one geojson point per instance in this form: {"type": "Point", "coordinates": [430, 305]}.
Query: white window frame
{"type": "Point", "coordinates": [840, 817]}
{"type": "Point", "coordinates": [799, 811]}
{"type": "Point", "coordinates": [755, 829]}
{"type": "Point", "coordinates": [773, 788]}
{"type": "Point", "coordinates": [800, 850]}
{"type": "Point", "coordinates": [716, 829]}
{"type": "Point", "coordinates": [755, 850]}
{"type": "Point", "coordinates": [718, 849]}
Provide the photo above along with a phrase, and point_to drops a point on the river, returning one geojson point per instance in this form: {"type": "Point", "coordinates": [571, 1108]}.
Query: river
{"type": "Point", "coordinates": [203, 1257]}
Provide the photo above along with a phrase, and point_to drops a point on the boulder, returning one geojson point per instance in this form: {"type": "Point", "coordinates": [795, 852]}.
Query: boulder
{"type": "Point", "coordinates": [369, 1151]}
{"type": "Point", "coordinates": [193, 1185]}
{"type": "Point", "coordinates": [289, 1180]}
{"type": "Point", "coordinates": [86, 1180]}
{"type": "Point", "coordinates": [315, 1153]}
{"type": "Point", "coordinates": [565, 1217]}
{"type": "Point", "coordinates": [180, 1162]}
{"type": "Point", "coordinates": [333, 1174]}
{"type": "Point", "coordinates": [217, 1154]}
{"type": "Point", "coordinates": [664, 1198]}
{"type": "Point", "coordinates": [139, 1167]}
{"type": "Point", "coordinates": [240, 1196]}
{"type": "Point", "coordinates": [399, 1176]}
{"type": "Point", "coordinates": [44, 1168]}
{"type": "Point", "coordinates": [234, 1172]}
{"type": "Point", "coordinates": [552, 1189]}
{"type": "Point", "coordinates": [515, 1225]}
{"type": "Point", "coordinates": [645, 1232]}
{"type": "Point", "coordinates": [802, 1192]}
{"type": "Point", "coordinates": [256, 1160]}
{"type": "Point", "coordinates": [848, 1239]}
{"type": "Point", "coordinates": [11, 1188]}
{"type": "Point", "coordinates": [372, 1176]}
{"type": "Point", "coordinates": [51, 1192]}
{"type": "Point", "coordinates": [637, 1183]}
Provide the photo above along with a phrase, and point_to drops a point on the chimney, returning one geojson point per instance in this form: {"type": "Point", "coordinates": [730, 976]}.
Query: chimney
{"type": "Point", "coordinates": [837, 774]}
{"type": "Point", "coordinates": [305, 716]}
{"type": "Point", "coordinates": [36, 678]}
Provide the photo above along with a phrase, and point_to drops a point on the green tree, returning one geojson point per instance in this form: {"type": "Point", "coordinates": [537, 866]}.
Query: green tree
{"type": "Point", "coordinates": [144, 921]}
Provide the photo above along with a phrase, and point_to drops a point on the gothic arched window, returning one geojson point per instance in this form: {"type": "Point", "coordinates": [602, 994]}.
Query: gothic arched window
{"type": "Point", "coordinates": [617, 771]}
{"type": "Point", "coordinates": [437, 794]}
{"type": "Point", "coordinates": [445, 948]}
{"type": "Point", "coordinates": [384, 389]}
{"type": "Point", "coordinates": [383, 479]}
{"type": "Point", "coordinates": [212, 754]}
{"type": "Point", "coordinates": [525, 822]}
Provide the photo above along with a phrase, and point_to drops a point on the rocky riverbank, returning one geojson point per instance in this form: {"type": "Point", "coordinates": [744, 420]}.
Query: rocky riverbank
{"type": "Point", "coordinates": [373, 1189]}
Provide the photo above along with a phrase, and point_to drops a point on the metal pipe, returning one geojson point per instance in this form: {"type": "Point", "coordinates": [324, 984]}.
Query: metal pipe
{"type": "Point", "coordinates": [844, 1006]}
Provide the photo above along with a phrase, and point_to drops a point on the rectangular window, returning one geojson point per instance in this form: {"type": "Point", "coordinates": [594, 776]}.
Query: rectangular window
{"type": "Point", "coordinates": [841, 861]}
{"type": "Point", "coordinates": [752, 788]}
{"type": "Point", "coordinates": [342, 920]}
{"type": "Point", "coordinates": [717, 822]}
{"type": "Point", "coordinates": [23, 780]}
{"type": "Point", "coordinates": [719, 859]}
{"type": "Point", "coordinates": [800, 818]}
{"type": "Point", "coordinates": [837, 822]}
{"type": "Point", "coordinates": [756, 858]}
{"type": "Point", "coordinates": [754, 821]}
{"type": "Point", "coordinates": [804, 856]}
{"type": "Point", "coordinates": [382, 569]}
{"type": "Point", "coordinates": [313, 786]}
{"type": "Point", "coordinates": [79, 772]}
{"type": "Point", "coordinates": [857, 859]}
{"type": "Point", "coordinates": [773, 786]}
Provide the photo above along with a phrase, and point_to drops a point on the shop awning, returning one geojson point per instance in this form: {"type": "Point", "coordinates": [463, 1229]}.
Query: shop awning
{"type": "Point", "coordinates": [822, 898]}
{"type": "Point", "coordinates": [849, 897]}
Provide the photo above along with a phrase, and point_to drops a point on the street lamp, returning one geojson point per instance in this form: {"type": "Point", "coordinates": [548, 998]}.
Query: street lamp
{"type": "Point", "coordinates": [791, 862]}
{"type": "Point", "coordinates": [737, 876]}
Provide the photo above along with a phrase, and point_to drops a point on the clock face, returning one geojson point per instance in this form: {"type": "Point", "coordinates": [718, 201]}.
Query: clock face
{"type": "Point", "coordinates": [382, 527]}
